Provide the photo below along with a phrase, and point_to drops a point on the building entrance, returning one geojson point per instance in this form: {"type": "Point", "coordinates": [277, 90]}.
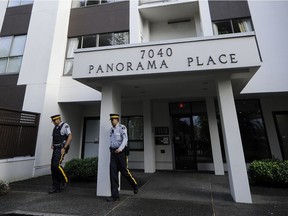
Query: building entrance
{"type": "Point", "coordinates": [191, 137]}
{"type": "Point", "coordinates": [191, 140]}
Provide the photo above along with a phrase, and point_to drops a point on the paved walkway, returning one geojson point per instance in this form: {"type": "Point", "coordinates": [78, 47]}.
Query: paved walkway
{"type": "Point", "coordinates": [161, 193]}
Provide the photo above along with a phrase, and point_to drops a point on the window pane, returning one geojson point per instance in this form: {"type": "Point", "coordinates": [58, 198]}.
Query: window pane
{"type": "Point", "coordinates": [135, 128]}
{"type": "Point", "coordinates": [13, 3]}
{"type": "Point", "coordinates": [105, 39]}
{"type": "Point", "coordinates": [18, 45]}
{"type": "Point", "coordinates": [68, 67]}
{"type": "Point", "coordinates": [3, 63]}
{"type": "Point", "coordinates": [92, 2]}
{"type": "Point", "coordinates": [14, 65]}
{"type": "Point", "coordinates": [25, 2]}
{"type": "Point", "coordinates": [121, 38]}
{"type": "Point", "coordinates": [73, 43]}
{"type": "Point", "coordinates": [252, 129]}
{"type": "Point", "coordinates": [242, 25]}
{"type": "Point", "coordinates": [5, 44]}
{"type": "Point", "coordinates": [224, 27]}
{"type": "Point", "coordinates": [89, 41]}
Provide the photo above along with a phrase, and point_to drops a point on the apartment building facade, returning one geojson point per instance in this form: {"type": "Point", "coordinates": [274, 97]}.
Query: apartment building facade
{"type": "Point", "coordinates": [201, 85]}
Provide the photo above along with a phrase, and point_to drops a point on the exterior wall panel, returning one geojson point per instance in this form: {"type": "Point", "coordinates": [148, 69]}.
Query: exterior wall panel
{"type": "Point", "coordinates": [221, 10]}
{"type": "Point", "coordinates": [98, 19]}
{"type": "Point", "coordinates": [16, 21]}
{"type": "Point", "coordinates": [11, 95]}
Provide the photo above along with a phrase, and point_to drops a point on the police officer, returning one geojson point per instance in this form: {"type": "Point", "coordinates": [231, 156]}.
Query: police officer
{"type": "Point", "coordinates": [119, 157]}
{"type": "Point", "coordinates": [62, 138]}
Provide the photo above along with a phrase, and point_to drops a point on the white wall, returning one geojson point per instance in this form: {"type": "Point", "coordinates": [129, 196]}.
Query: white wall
{"type": "Point", "coordinates": [270, 19]}
{"type": "Point", "coordinates": [163, 31]}
{"type": "Point", "coordinates": [16, 168]}
{"type": "Point", "coordinates": [42, 68]}
{"type": "Point", "coordinates": [161, 118]}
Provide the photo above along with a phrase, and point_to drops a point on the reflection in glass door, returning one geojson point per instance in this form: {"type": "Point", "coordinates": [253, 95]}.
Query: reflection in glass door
{"type": "Point", "coordinates": [91, 138]}
{"type": "Point", "coordinates": [184, 146]}
{"type": "Point", "coordinates": [281, 122]}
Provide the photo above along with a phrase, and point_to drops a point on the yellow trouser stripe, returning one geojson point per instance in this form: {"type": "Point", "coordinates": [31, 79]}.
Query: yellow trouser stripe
{"type": "Point", "coordinates": [61, 169]}
{"type": "Point", "coordinates": [129, 171]}
{"type": "Point", "coordinates": [63, 173]}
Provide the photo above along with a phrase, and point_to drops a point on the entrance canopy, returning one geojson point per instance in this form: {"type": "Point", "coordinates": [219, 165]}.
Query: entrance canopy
{"type": "Point", "coordinates": [170, 68]}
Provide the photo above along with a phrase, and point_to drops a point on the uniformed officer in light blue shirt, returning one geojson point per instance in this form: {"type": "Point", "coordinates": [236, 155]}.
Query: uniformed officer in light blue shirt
{"type": "Point", "coordinates": [119, 157]}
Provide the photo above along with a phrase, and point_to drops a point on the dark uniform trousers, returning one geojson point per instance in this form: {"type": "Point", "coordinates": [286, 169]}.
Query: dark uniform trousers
{"type": "Point", "coordinates": [118, 163]}
{"type": "Point", "coordinates": [58, 174]}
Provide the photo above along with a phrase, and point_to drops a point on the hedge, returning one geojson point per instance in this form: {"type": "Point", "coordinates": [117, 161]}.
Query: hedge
{"type": "Point", "coordinates": [4, 188]}
{"type": "Point", "coordinates": [269, 173]}
{"type": "Point", "coordinates": [82, 169]}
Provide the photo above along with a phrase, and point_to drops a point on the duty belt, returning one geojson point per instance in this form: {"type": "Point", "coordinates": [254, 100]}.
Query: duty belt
{"type": "Point", "coordinates": [57, 144]}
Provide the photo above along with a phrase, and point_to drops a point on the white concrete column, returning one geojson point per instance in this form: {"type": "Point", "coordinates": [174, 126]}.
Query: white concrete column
{"type": "Point", "coordinates": [205, 18]}
{"type": "Point", "coordinates": [135, 21]}
{"type": "Point", "coordinates": [214, 136]}
{"type": "Point", "coordinates": [237, 172]}
{"type": "Point", "coordinates": [110, 103]}
{"type": "Point", "coordinates": [149, 147]}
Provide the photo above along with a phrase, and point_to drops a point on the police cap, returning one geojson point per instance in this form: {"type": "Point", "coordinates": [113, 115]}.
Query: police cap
{"type": "Point", "coordinates": [55, 117]}
{"type": "Point", "coordinates": [114, 116]}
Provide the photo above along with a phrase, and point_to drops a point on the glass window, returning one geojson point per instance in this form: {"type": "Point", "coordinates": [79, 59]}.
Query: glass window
{"type": "Point", "coordinates": [3, 63]}
{"type": "Point", "coordinates": [73, 43]}
{"type": "Point", "coordinates": [11, 52]}
{"type": "Point", "coordinates": [121, 38]}
{"type": "Point", "coordinates": [13, 3]}
{"type": "Point", "coordinates": [105, 39]}
{"type": "Point", "coordinates": [135, 131]}
{"type": "Point", "coordinates": [252, 130]}
{"type": "Point", "coordinates": [14, 65]}
{"type": "Point", "coordinates": [18, 46]}
{"type": "Point", "coordinates": [89, 41]}
{"type": "Point", "coordinates": [232, 26]}
{"type": "Point", "coordinates": [92, 2]}
{"type": "Point", "coordinates": [68, 68]}
{"type": "Point", "coordinates": [5, 45]}
{"type": "Point", "coordinates": [25, 2]}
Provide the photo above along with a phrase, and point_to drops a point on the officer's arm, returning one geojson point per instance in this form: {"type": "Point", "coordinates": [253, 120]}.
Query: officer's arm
{"type": "Point", "coordinates": [68, 141]}
{"type": "Point", "coordinates": [125, 138]}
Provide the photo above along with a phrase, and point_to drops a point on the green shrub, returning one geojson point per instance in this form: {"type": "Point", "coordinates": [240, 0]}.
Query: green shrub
{"type": "Point", "coordinates": [4, 188]}
{"type": "Point", "coordinates": [269, 173]}
{"type": "Point", "coordinates": [82, 169]}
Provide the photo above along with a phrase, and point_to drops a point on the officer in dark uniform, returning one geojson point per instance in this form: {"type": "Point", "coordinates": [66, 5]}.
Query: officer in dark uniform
{"type": "Point", "coordinates": [119, 157]}
{"type": "Point", "coordinates": [62, 138]}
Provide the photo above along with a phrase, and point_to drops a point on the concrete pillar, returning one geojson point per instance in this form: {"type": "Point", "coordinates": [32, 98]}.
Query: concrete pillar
{"type": "Point", "coordinates": [214, 136]}
{"type": "Point", "coordinates": [237, 172]}
{"type": "Point", "coordinates": [149, 147]}
{"type": "Point", "coordinates": [205, 17]}
{"type": "Point", "coordinates": [110, 103]}
{"type": "Point", "coordinates": [135, 22]}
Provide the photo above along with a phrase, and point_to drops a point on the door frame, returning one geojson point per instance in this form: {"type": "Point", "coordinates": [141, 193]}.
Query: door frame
{"type": "Point", "coordinates": [278, 130]}
{"type": "Point", "coordinates": [84, 133]}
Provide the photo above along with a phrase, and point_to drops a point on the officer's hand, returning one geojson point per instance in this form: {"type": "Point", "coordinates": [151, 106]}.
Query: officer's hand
{"type": "Point", "coordinates": [62, 151]}
{"type": "Point", "coordinates": [117, 150]}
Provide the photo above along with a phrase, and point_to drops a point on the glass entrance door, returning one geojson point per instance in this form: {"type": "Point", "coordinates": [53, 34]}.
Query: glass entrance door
{"type": "Point", "coordinates": [184, 144]}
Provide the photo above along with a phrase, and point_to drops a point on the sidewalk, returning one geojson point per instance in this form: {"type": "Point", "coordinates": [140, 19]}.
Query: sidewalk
{"type": "Point", "coordinates": [162, 193]}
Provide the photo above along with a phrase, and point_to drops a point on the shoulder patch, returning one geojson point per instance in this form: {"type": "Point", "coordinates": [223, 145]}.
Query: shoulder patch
{"type": "Point", "coordinates": [123, 127]}
{"type": "Point", "coordinates": [66, 126]}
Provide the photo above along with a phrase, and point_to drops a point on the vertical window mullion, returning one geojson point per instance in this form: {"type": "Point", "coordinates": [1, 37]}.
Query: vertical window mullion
{"type": "Point", "coordinates": [232, 27]}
